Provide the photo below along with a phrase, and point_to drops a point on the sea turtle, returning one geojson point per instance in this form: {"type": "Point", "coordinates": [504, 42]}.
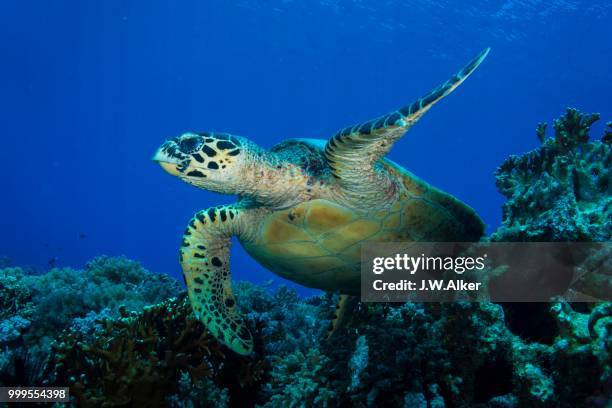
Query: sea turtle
{"type": "Point", "coordinates": [305, 207]}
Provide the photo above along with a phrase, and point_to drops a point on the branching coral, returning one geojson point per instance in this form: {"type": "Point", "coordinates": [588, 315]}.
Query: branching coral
{"type": "Point", "coordinates": [16, 311]}
{"type": "Point", "coordinates": [287, 322]}
{"type": "Point", "coordinates": [141, 359]}
{"type": "Point", "coordinates": [52, 301]}
{"type": "Point", "coordinates": [15, 296]}
{"type": "Point", "coordinates": [560, 191]}
{"type": "Point", "coordinates": [460, 354]}
{"type": "Point", "coordinates": [12, 328]}
{"type": "Point", "coordinates": [298, 380]}
{"type": "Point", "coordinates": [64, 294]}
{"type": "Point", "coordinates": [358, 362]}
{"type": "Point", "coordinates": [201, 393]}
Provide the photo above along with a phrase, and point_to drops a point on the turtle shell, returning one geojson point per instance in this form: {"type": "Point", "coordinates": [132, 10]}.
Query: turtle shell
{"type": "Point", "coordinates": [317, 243]}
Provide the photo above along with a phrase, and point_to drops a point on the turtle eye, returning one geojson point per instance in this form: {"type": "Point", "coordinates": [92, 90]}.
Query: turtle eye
{"type": "Point", "coordinates": [190, 143]}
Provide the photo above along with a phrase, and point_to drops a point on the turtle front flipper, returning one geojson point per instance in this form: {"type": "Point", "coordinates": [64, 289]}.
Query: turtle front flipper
{"type": "Point", "coordinates": [353, 152]}
{"type": "Point", "coordinates": [204, 257]}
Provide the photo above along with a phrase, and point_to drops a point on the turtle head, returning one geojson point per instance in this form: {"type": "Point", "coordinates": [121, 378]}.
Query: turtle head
{"type": "Point", "coordinates": [212, 161]}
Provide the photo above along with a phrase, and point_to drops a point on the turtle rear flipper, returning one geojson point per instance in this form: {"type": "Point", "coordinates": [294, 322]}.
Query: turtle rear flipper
{"type": "Point", "coordinates": [344, 308]}
{"type": "Point", "coordinates": [354, 151]}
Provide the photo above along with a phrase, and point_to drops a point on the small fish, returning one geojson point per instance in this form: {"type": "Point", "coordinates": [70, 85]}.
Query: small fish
{"type": "Point", "coordinates": [82, 236]}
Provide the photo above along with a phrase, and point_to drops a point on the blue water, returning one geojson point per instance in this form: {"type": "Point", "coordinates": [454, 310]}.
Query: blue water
{"type": "Point", "coordinates": [89, 90]}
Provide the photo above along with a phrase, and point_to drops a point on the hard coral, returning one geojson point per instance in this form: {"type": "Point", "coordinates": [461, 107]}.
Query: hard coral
{"type": "Point", "coordinates": [15, 296]}
{"type": "Point", "coordinates": [299, 380]}
{"type": "Point", "coordinates": [53, 301]}
{"type": "Point", "coordinates": [287, 322]}
{"type": "Point", "coordinates": [140, 359]}
{"type": "Point", "coordinates": [62, 295]}
{"type": "Point", "coordinates": [459, 354]}
{"type": "Point", "coordinates": [560, 191]}
{"type": "Point", "coordinates": [200, 393]}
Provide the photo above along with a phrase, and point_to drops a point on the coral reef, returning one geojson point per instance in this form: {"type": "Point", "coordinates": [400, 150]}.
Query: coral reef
{"type": "Point", "coordinates": [299, 380]}
{"type": "Point", "coordinates": [34, 309]}
{"type": "Point", "coordinates": [14, 294]}
{"type": "Point", "coordinates": [562, 190]}
{"type": "Point", "coordinates": [61, 295]}
{"type": "Point", "coordinates": [448, 355]}
{"type": "Point", "coordinates": [143, 359]}
{"type": "Point", "coordinates": [358, 362]}
{"type": "Point", "coordinates": [458, 354]}
{"type": "Point", "coordinates": [203, 393]}
{"type": "Point", "coordinates": [164, 355]}
{"type": "Point", "coordinates": [287, 322]}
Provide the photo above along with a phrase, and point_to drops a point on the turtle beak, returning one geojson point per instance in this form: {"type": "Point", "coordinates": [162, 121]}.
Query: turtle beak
{"type": "Point", "coordinates": [166, 159]}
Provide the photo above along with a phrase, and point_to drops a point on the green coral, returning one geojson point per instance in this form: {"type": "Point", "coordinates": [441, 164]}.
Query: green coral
{"type": "Point", "coordinates": [455, 354]}
{"type": "Point", "coordinates": [298, 380]}
{"type": "Point", "coordinates": [153, 355]}
{"type": "Point", "coordinates": [560, 191]}
{"type": "Point", "coordinates": [53, 301]}
{"type": "Point", "coordinates": [63, 294]}
{"type": "Point", "coordinates": [287, 322]}
{"type": "Point", "coordinates": [572, 371]}
{"type": "Point", "coordinates": [201, 393]}
{"type": "Point", "coordinates": [15, 296]}
{"type": "Point", "coordinates": [143, 358]}
{"type": "Point", "coordinates": [358, 362]}
{"type": "Point", "coordinates": [105, 282]}
{"type": "Point", "coordinates": [535, 384]}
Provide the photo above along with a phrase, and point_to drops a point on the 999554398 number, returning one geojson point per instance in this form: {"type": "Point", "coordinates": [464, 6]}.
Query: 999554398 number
{"type": "Point", "coordinates": [34, 394]}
